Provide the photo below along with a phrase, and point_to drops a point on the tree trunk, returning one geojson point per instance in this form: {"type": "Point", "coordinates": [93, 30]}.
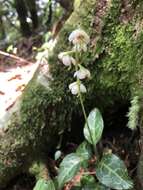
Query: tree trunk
{"type": "Point", "coordinates": [50, 10]}
{"type": "Point", "coordinates": [115, 59]}
{"type": "Point", "coordinates": [68, 8]}
{"type": "Point", "coordinates": [33, 12]}
{"type": "Point", "coordinates": [2, 29]}
{"type": "Point", "coordinates": [22, 16]}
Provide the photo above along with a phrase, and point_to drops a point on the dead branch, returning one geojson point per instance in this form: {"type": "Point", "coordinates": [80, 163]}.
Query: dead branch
{"type": "Point", "coordinates": [14, 57]}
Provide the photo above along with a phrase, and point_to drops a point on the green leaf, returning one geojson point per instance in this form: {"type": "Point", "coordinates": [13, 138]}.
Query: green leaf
{"type": "Point", "coordinates": [68, 168]}
{"type": "Point", "coordinates": [43, 184]}
{"type": "Point", "coordinates": [84, 151]}
{"type": "Point", "coordinates": [76, 188]}
{"type": "Point", "coordinates": [87, 180]}
{"type": "Point", "coordinates": [112, 172]}
{"type": "Point", "coordinates": [95, 187]}
{"type": "Point", "coordinates": [96, 125]}
{"type": "Point", "coordinates": [89, 183]}
{"type": "Point", "coordinates": [101, 187]}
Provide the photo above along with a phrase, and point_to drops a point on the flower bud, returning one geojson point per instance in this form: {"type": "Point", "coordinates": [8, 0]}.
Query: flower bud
{"type": "Point", "coordinates": [66, 59]}
{"type": "Point", "coordinates": [75, 89]}
{"type": "Point", "coordinates": [82, 73]}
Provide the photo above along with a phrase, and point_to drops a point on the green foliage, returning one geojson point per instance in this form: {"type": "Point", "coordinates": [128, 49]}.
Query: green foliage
{"type": "Point", "coordinates": [84, 151]}
{"type": "Point", "coordinates": [68, 168]}
{"type": "Point", "coordinates": [37, 169]}
{"type": "Point", "coordinates": [133, 113]}
{"type": "Point", "coordinates": [88, 182]}
{"type": "Point", "coordinates": [94, 127]}
{"type": "Point", "coordinates": [111, 171]}
{"type": "Point", "coordinates": [94, 186]}
{"type": "Point", "coordinates": [44, 185]}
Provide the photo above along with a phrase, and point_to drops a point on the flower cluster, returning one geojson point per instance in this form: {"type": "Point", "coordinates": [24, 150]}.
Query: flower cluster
{"type": "Point", "coordinates": [80, 39]}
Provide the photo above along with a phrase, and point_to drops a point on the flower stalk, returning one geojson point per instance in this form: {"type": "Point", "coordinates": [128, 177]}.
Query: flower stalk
{"type": "Point", "coordinates": [80, 39]}
{"type": "Point", "coordinates": [81, 101]}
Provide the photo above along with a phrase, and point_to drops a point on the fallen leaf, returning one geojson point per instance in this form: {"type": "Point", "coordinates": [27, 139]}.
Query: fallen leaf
{"type": "Point", "coordinates": [15, 77]}
{"type": "Point", "coordinates": [10, 106]}
{"type": "Point", "coordinates": [2, 93]}
{"type": "Point", "coordinates": [20, 88]}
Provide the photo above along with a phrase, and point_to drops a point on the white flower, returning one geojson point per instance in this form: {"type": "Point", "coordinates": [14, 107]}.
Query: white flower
{"type": "Point", "coordinates": [80, 39]}
{"type": "Point", "coordinates": [82, 73]}
{"type": "Point", "coordinates": [80, 47]}
{"type": "Point", "coordinates": [75, 89]}
{"type": "Point", "coordinates": [66, 59]}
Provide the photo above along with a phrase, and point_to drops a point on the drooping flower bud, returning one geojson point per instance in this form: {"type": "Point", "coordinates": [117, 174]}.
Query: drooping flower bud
{"type": "Point", "coordinates": [75, 89]}
{"type": "Point", "coordinates": [67, 60]}
{"type": "Point", "coordinates": [82, 73]}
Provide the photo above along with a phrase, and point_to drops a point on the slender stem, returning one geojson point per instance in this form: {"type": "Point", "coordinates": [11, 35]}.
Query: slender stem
{"type": "Point", "coordinates": [82, 104]}
{"type": "Point", "coordinates": [89, 173]}
{"type": "Point", "coordinates": [84, 112]}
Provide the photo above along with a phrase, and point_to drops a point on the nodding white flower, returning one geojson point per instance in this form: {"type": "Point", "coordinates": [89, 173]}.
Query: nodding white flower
{"type": "Point", "coordinates": [75, 89]}
{"type": "Point", "coordinates": [80, 47]}
{"type": "Point", "coordinates": [82, 73]}
{"type": "Point", "coordinates": [66, 59]}
{"type": "Point", "coordinates": [80, 39]}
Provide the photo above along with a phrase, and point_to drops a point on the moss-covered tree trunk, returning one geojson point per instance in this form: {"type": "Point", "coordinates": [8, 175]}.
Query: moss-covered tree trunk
{"type": "Point", "coordinates": [115, 59]}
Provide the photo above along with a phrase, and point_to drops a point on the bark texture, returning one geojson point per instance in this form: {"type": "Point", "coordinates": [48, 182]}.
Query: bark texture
{"type": "Point", "coordinates": [23, 7]}
{"type": "Point", "coordinates": [115, 59]}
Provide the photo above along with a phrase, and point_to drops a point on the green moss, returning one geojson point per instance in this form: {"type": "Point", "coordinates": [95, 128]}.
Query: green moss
{"type": "Point", "coordinates": [117, 69]}
{"type": "Point", "coordinates": [39, 170]}
{"type": "Point", "coordinates": [114, 72]}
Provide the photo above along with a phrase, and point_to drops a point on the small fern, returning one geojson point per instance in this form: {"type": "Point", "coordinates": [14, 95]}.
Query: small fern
{"type": "Point", "coordinates": [133, 113]}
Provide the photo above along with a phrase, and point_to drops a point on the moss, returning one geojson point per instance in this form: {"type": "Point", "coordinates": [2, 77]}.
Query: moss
{"type": "Point", "coordinates": [39, 170]}
{"type": "Point", "coordinates": [114, 71]}
{"type": "Point", "coordinates": [42, 112]}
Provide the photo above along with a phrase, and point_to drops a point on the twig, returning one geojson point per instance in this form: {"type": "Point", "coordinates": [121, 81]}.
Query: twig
{"type": "Point", "coordinates": [14, 57]}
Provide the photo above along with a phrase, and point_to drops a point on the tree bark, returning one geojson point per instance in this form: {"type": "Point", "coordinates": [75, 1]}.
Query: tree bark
{"type": "Point", "coordinates": [2, 29]}
{"type": "Point", "coordinates": [68, 8]}
{"type": "Point", "coordinates": [33, 12]}
{"type": "Point", "coordinates": [50, 10]}
{"type": "Point", "coordinates": [22, 16]}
